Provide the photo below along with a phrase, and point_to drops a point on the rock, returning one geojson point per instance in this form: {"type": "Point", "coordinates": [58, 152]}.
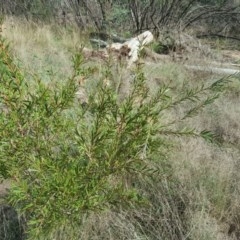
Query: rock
{"type": "Point", "coordinates": [4, 188]}
{"type": "Point", "coordinates": [11, 227]}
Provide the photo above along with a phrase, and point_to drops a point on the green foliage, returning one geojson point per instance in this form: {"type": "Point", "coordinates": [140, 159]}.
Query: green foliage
{"type": "Point", "coordinates": [117, 17]}
{"type": "Point", "coordinates": [161, 48]}
{"type": "Point", "coordinates": [212, 2]}
{"type": "Point", "coordinates": [68, 158]}
{"type": "Point", "coordinates": [31, 9]}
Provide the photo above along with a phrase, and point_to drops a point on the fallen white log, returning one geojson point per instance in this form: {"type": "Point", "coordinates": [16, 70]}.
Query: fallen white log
{"type": "Point", "coordinates": [132, 46]}
{"type": "Point", "coordinates": [217, 70]}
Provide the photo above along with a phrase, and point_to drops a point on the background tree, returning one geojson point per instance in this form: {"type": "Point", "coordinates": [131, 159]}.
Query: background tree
{"type": "Point", "coordinates": [217, 17]}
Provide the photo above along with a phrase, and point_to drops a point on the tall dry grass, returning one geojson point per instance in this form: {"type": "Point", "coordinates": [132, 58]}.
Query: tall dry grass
{"type": "Point", "coordinates": [43, 49]}
{"type": "Point", "coordinates": [198, 195]}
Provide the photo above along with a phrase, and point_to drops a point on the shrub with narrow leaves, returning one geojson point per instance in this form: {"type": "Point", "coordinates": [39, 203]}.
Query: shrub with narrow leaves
{"type": "Point", "coordinates": [66, 158]}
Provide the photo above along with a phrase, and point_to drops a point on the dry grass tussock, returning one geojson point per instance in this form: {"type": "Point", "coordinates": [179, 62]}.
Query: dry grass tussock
{"type": "Point", "coordinates": [198, 194]}
{"type": "Point", "coordinates": [42, 48]}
